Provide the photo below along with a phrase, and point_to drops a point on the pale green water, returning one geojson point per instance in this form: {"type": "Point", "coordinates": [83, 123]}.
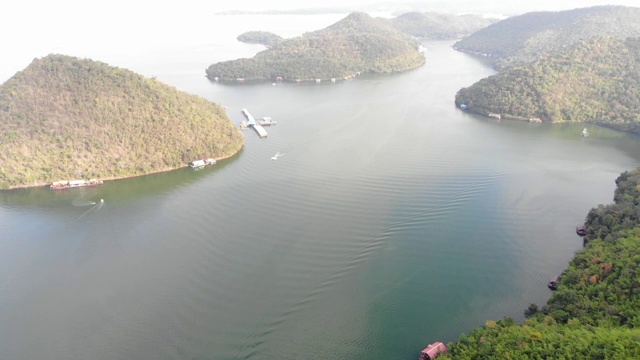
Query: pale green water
{"type": "Point", "coordinates": [392, 221]}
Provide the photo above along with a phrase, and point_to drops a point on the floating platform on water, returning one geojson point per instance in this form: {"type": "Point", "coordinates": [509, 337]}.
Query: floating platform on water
{"type": "Point", "coordinates": [256, 125]}
{"type": "Point", "coordinates": [266, 121]}
{"type": "Point", "coordinates": [262, 133]}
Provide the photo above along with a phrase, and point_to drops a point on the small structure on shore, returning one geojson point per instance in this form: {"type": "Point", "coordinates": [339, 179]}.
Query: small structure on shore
{"type": "Point", "coordinates": [67, 184]}
{"type": "Point", "coordinates": [432, 351]}
{"type": "Point", "coordinates": [497, 116]}
{"type": "Point", "coordinates": [535, 120]}
{"type": "Point", "coordinates": [198, 164]}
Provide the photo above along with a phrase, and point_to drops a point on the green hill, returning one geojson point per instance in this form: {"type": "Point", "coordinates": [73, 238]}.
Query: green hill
{"type": "Point", "coordinates": [594, 314]}
{"type": "Point", "coordinates": [522, 39]}
{"type": "Point", "coordinates": [64, 118]}
{"type": "Point", "coordinates": [597, 81]}
{"type": "Point", "coordinates": [259, 37]}
{"type": "Point", "coordinates": [439, 26]}
{"type": "Point", "coordinates": [357, 43]}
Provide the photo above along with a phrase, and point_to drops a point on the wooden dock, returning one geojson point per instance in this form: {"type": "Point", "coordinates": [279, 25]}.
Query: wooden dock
{"type": "Point", "coordinates": [262, 133]}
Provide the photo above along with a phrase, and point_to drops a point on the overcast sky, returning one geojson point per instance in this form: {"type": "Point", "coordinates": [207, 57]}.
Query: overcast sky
{"type": "Point", "coordinates": [34, 28]}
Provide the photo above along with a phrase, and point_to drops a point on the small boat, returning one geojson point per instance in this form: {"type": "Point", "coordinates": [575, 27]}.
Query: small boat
{"type": "Point", "coordinates": [432, 351]}
{"type": "Point", "coordinates": [585, 133]}
{"type": "Point", "coordinates": [553, 284]}
{"type": "Point", "coordinates": [581, 230]}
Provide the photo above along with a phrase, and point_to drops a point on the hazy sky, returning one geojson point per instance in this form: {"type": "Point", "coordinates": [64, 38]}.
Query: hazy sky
{"type": "Point", "coordinates": [35, 28]}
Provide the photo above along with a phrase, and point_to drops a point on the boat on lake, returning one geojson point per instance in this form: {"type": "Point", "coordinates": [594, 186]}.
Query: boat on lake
{"type": "Point", "coordinates": [67, 184]}
{"type": "Point", "coordinates": [585, 133]}
{"type": "Point", "coordinates": [432, 351]}
{"type": "Point", "coordinates": [553, 284]}
{"type": "Point", "coordinates": [581, 230]}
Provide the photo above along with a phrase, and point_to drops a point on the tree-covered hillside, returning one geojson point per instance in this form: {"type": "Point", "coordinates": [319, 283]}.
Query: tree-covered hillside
{"type": "Point", "coordinates": [597, 81]}
{"type": "Point", "coordinates": [260, 37]}
{"type": "Point", "coordinates": [439, 26]}
{"type": "Point", "coordinates": [522, 39]}
{"type": "Point", "coordinates": [356, 44]}
{"type": "Point", "coordinates": [65, 118]}
{"type": "Point", "coordinates": [595, 313]}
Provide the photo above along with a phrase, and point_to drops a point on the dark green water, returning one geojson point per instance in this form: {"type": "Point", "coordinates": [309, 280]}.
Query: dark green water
{"type": "Point", "coordinates": [393, 220]}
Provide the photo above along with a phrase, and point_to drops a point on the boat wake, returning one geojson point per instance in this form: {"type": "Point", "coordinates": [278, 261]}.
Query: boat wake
{"type": "Point", "coordinates": [275, 157]}
{"type": "Point", "coordinates": [80, 202]}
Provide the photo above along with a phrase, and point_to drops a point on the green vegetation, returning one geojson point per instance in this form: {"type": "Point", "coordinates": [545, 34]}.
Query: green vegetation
{"type": "Point", "coordinates": [260, 37]}
{"type": "Point", "coordinates": [595, 313]}
{"type": "Point", "coordinates": [522, 39]}
{"type": "Point", "coordinates": [439, 26]}
{"type": "Point", "coordinates": [597, 81]}
{"type": "Point", "coordinates": [356, 44]}
{"type": "Point", "coordinates": [64, 118]}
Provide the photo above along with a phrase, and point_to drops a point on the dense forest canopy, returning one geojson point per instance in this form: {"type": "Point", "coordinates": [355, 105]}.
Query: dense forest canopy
{"type": "Point", "coordinates": [521, 39]}
{"type": "Point", "coordinates": [596, 81]}
{"type": "Point", "coordinates": [355, 44]}
{"type": "Point", "coordinates": [439, 26]}
{"type": "Point", "coordinates": [595, 312]}
{"type": "Point", "coordinates": [64, 118]}
{"type": "Point", "coordinates": [260, 37]}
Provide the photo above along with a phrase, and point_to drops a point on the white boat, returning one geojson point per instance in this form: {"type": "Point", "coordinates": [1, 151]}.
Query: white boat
{"type": "Point", "coordinates": [585, 133]}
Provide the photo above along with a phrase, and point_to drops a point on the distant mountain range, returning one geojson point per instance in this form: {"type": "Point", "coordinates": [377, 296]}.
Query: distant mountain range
{"type": "Point", "coordinates": [439, 26]}
{"type": "Point", "coordinates": [355, 44]}
{"type": "Point", "coordinates": [64, 118]}
{"type": "Point", "coordinates": [522, 39]}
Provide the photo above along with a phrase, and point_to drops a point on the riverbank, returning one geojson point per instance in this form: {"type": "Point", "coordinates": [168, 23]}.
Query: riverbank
{"type": "Point", "coordinates": [114, 178]}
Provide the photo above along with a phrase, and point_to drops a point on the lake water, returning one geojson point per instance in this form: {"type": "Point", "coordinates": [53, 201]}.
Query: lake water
{"type": "Point", "coordinates": [392, 220]}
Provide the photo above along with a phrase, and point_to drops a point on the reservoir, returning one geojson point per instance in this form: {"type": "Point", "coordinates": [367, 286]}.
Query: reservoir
{"type": "Point", "coordinates": [390, 220]}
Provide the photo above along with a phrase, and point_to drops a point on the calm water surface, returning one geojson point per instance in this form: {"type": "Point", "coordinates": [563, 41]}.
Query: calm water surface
{"type": "Point", "coordinates": [392, 221]}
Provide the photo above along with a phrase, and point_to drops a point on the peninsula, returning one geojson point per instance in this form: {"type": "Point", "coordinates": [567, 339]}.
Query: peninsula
{"type": "Point", "coordinates": [594, 313]}
{"type": "Point", "coordinates": [596, 81]}
{"type": "Point", "coordinates": [68, 118]}
{"type": "Point", "coordinates": [355, 44]}
{"type": "Point", "coordinates": [265, 38]}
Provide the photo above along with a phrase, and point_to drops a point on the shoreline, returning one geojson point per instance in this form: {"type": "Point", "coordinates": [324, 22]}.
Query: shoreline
{"type": "Point", "coordinates": [115, 178]}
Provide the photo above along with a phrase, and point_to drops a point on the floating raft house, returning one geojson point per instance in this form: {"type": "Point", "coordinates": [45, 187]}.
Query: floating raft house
{"type": "Point", "coordinates": [251, 122]}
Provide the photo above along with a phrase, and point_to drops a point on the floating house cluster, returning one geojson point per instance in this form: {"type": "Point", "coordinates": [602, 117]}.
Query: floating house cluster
{"type": "Point", "coordinates": [258, 126]}
{"type": "Point", "coordinates": [67, 184]}
{"type": "Point", "coordinates": [199, 164]}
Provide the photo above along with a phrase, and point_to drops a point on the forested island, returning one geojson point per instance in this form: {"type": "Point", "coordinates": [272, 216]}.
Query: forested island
{"type": "Point", "coordinates": [596, 81]}
{"type": "Point", "coordinates": [265, 38]}
{"type": "Point", "coordinates": [594, 313]}
{"type": "Point", "coordinates": [439, 26]}
{"type": "Point", "coordinates": [521, 39]}
{"type": "Point", "coordinates": [355, 44]}
{"type": "Point", "coordinates": [67, 118]}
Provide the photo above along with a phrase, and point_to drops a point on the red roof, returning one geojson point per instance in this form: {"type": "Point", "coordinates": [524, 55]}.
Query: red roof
{"type": "Point", "coordinates": [434, 350]}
